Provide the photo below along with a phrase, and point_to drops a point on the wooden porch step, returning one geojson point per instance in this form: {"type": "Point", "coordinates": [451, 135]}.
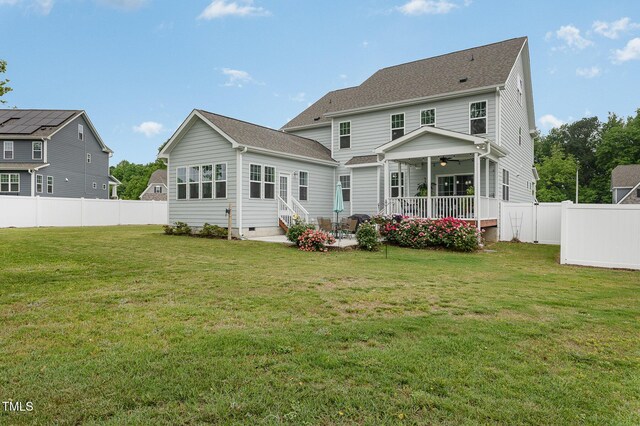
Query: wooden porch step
{"type": "Point", "coordinates": [283, 225]}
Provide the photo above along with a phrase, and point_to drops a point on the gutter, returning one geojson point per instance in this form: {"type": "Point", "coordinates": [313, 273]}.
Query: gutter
{"type": "Point", "coordinates": [239, 194]}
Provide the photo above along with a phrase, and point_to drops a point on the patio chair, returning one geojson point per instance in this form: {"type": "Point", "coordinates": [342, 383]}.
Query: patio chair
{"type": "Point", "coordinates": [325, 224]}
{"type": "Point", "coordinates": [352, 227]}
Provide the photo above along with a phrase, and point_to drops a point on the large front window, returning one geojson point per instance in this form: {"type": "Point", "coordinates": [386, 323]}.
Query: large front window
{"type": "Point", "coordinates": [455, 185]}
{"type": "Point", "coordinates": [9, 182]}
{"type": "Point", "coordinates": [345, 181]}
{"type": "Point", "coordinates": [478, 118]}
{"type": "Point", "coordinates": [397, 126]}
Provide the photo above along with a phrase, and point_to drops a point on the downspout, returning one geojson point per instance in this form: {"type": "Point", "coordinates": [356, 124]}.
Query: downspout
{"type": "Point", "coordinates": [476, 165]}
{"type": "Point", "coordinates": [33, 182]}
{"type": "Point", "coordinates": [239, 194]}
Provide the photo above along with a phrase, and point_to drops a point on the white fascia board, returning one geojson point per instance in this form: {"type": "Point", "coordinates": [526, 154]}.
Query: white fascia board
{"type": "Point", "coordinates": [307, 127]}
{"type": "Point", "coordinates": [428, 129]}
{"type": "Point", "coordinates": [290, 156]}
{"type": "Point", "coordinates": [360, 166]}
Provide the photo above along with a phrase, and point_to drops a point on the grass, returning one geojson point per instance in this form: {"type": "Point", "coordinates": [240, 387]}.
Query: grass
{"type": "Point", "coordinates": [126, 325]}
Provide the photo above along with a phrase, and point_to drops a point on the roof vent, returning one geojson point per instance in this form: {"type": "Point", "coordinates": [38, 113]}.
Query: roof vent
{"type": "Point", "coordinates": [463, 80]}
{"type": "Point", "coordinates": [472, 57]}
{"type": "Point", "coordinates": [316, 119]}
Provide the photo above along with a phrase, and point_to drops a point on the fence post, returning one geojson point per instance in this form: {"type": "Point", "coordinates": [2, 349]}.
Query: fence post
{"type": "Point", "coordinates": [119, 213]}
{"type": "Point", "coordinates": [37, 211]}
{"type": "Point", "coordinates": [564, 231]}
{"type": "Point", "coordinates": [81, 211]}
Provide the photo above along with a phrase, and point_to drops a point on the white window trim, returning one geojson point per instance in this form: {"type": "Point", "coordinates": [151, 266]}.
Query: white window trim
{"type": "Point", "coordinates": [94, 185]}
{"type": "Point", "coordinates": [80, 132]}
{"type": "Point", "coordinates": [5, 150]}
{"type": "Point", "coordinates": [199, 182]}
{"type": "Point", "coordinates": [304, 186]}
{"type": "Point", "coordinates": [186, 182]}
{"type": "Point", "coordinates": [88, 158]}
{"type": "Point", "coordinates": [50, 178]}
{"type": "Point", "coordinates": [486, 116]}
{"type": "Point", "coordinates": [156, 187]}
{"type": "Point", "coordinates": [508, 185]}
{"type": "Point", "coordinates": [251, 180]}
{"type": "Point", "coordinates": [275, 181]}
{"type": "Point", "coordinates": [400, 185]}
{"type": "Point", "coordinates": [41, 184]}
{"type": "Point", "coordinates": [8, 175]}
{"type": "Point", "coordinates": [33, 150]}
{"type": "Point", "coordinates": [104, 186]}
{"type": "Point", "coordinates": [435, 117]}
{"type": "Point", "coordinates": [404, 122]}
{"type": "Point", "coordinates": [454, 188]}
{"type": "Point", "coordinates": [340, 135]}
{"type": "Point", "coordinates": [202, 182]}
{"type": "Point", "coordinates": [215, 180]}
{"type": "Point", "coordinates": [350, 186]}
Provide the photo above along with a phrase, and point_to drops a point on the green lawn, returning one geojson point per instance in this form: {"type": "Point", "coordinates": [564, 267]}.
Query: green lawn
{"type": "Point", "coordinates": [126, 325]}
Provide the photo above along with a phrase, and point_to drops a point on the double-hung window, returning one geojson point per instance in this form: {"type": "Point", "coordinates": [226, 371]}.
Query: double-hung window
{"type": "Point", "coordinates": [397, 126]}
{"type": "Point", "coordinates": [505, 185]}
{"type": "Point", "coordinates": [9, 182]}
{"type": "Point", "coordinates": [221, 180]}
{"type": "Point", "coordinates": [194, 182]}
{"type": "Point", "coordinates": [156, 189]}
{"type": "Point", "coordinates": [49, 184]}
{"type": "Point", "coordinates": [478, 118]}
{"type": "Point", "coordinates": [80, 132]}
{"type": "Point", "coordinates": [36, 150]}
{"type": "Point", "coordinates": [207, 181]}
{"type": "Point", "coordinates": [397, 184]}
{"type": "Point", "coordinates": [255, 181]}
{"type": "Point", "coordinates": [8, 150]}
{"type": "Point", "coordinates": [181, 183]}
{"type": "Point", "coordinates": [345, 181]}
{"type": "Point", "coordinates": [269, 182]}
{"type": "Point", "coordinates": [345, 134]}
{"type": "Point", "coordinates": [39, 183]}
{"type": "Point", "coordinates": [303, 186]}
{"type": "Point", "coordinates": [428, 117]}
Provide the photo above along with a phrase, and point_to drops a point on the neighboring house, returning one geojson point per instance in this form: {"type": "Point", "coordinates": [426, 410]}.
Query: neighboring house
{"type": "Point", "coordinates": [444, 136]}
{"type": "Point", "coordinates": [157, 187]}
{"type": "Point", "coordinates": [625, 184]}
{"type": "Point", "coordinates": [52, 153]}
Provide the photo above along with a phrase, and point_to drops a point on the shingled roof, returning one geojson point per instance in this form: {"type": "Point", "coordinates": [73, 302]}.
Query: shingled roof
{"type": "Point", "coordinates": [158, 176]}
{"type": "Point", "coordinates": [475, 68]}
{"type": "Point", "coordinates": [253, 135]}
{"type": "Point", "coordinates": [626, 176]}
{"type": "Point", "coordinates": [20, 123]}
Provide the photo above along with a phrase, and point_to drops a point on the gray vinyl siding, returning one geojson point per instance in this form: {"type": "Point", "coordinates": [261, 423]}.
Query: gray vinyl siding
{"type": "Point", "coordinates": [201, 145]}
{"type": "Point", "coordinates": [320, 134]}
{"type": "Point", "coordinates": [432, 141]}
{"type": "Point", "coordinates": [519, 160]}
{"type": "Point", "coordinates": [22, 151]}
{"type": "Point", "coordinates": [264, 212]}
{"type": "Point", "coordinates": [67, 156]}
{"type": "Point", "coordinates": [363, 194]}
{"type": "Point", "coordinates": [619, 194]}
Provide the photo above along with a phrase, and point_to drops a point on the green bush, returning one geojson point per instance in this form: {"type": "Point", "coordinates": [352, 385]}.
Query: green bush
{"type": "Point", "coordinates": [367, 236]}
{"type": "Point", "coordinates": [296, 230]}
{"type": "Point", "coordinates": [168, 229]}
{"type": "Point", "coordinates": [212, 231]}
{"type": "Point", "coordinates": [181, 228]}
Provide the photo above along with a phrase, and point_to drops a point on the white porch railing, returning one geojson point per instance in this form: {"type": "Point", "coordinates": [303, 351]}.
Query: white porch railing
{"type": "Point", "coordinates": [287, 212]}
{"type": "Point", "coordinates": [458, 206]}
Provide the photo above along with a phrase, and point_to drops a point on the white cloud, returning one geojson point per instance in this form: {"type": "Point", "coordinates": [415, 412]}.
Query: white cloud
{"type": "Point", "coordinates": [236, 78]}
{"type": "Point", "coordinates": [549, 121]}
{"type": "Point", "coordinates": [222, 8]}
{"type": "Point", "coordinates": [613, 29]}
{"type": "Point", "coordinates": [588, 72]}
{"type": "Point", "coordinates": [365, 44]}
{"type": "Point", "coordinates": [571, 37]}
{"type": "Point", "coordinates": [41, 6]}
{"type": "Point", "coordinates": [427, 7]}
{"type": "Point", "coordinates": [9, 2]}
{"type": "Point", "coordinates": [149, 128]}
{"type": "Point", "coordinates": [630, 52]}
{"type": "Point", "coordinates": [298, 97]}
{"type": "Point", "coordinates": [124, 4]}
{"type": "Point", "coordinates": [342, 76]}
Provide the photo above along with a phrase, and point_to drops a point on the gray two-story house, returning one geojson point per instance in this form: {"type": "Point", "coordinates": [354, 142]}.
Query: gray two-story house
{"type": "Point", "coordinates": [448, 136]}
{"type": "Point", "coordinates": [52, 153]}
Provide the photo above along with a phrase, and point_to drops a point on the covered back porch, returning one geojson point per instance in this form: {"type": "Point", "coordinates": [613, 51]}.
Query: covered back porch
{"type": "Point", "coordinates": [437, 173]}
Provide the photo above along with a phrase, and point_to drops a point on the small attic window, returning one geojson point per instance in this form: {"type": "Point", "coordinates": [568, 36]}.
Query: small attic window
{"type": "Point", "coordinates": [463, 80]}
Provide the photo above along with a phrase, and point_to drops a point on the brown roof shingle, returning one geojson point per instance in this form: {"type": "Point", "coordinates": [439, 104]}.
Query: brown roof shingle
{"type": "Point", "coordinates": [362, 159]}
{"type": "Point", "coordinates": [625, 176]}
{"type": "Point", "coordinates": [253, 135]}
{"type": "Point", "coordinates": [479, 67]}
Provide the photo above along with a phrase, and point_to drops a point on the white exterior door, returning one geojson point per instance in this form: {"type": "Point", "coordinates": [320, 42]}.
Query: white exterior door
{"type": "Point", "coordinates": [284, 191]}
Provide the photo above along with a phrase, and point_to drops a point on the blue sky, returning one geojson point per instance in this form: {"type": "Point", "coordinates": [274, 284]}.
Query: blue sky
{"type": "Point", "coordinates": [138, 67]}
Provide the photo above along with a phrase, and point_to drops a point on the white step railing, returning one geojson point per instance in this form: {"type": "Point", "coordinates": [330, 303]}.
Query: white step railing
{"type": "Point", "coordinates": [299, 209]}
{"type": "Point", "coordinates": [458, 206]}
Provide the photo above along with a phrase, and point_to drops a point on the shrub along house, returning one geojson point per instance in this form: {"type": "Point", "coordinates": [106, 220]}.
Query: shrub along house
{"type": "Point", "coordinates": [52, 153]}
{"type": "Point", "coordinates": [444, 136]}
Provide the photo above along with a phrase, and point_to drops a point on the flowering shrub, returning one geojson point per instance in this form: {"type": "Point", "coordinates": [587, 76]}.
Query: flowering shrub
{"type": "Point", "coordinates": [450, 233]}
{"type": "Point", "coordinates": [367, 237]}
{"type": "Point", "coordinates": [312, 240]}
{"type": "Point", "coordinates": [297, 229]}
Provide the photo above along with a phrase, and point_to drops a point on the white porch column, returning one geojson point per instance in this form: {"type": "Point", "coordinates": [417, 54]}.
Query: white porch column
{"type": "Point", "coordinates": [400, 183]}
{"type": "Point", "coordinates": [486, 177]}
{"type": "Point", "coordinates": [476, 184]}
{"type": "Point", "coordinates": [386, 185]}
{"type": "Point", "coordinates": [429, 206]}
{"type": "Point", "coordinates": [407, 181]}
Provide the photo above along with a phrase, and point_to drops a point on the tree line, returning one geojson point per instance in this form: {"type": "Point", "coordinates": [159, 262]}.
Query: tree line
{"type": "Point", "coordinates": [592, 147]}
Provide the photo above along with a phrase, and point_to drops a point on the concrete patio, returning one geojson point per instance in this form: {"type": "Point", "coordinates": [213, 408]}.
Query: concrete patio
{"type": "Point", "coordinates": [282, 239]}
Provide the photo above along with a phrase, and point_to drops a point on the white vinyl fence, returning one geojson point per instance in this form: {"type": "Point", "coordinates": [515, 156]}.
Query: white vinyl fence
{"type": "Point", "coordinates": [601, 235]}
{"type": "Point", "coordinates": [530, 222]}
{"type": "Point", "coordinates": [27, 212]}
